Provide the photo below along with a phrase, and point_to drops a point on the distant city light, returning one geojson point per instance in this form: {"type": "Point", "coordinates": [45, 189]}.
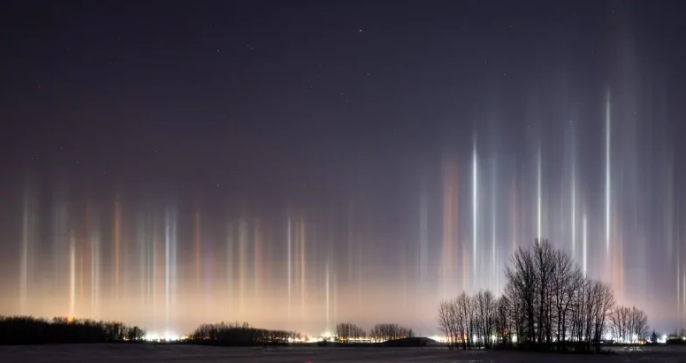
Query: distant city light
{"type": "Point", "coordinates": [438, 338]}
{"type": "Point", "coordinates": [166, 337]}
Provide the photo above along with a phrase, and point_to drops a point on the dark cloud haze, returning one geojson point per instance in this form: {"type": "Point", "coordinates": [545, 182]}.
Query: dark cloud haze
{"type": "Point", "coordinates": [296, 164]}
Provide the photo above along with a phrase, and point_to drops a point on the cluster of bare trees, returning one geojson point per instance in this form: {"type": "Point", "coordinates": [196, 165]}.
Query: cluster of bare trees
{"type": "Point", "coordinates": [30, 330]}
{"type": "Point", "coordinates": [547, 304]}
{"type": "Point", "coordinates": [468, 321]}
{"type": "Point", "coordinates": [239, 335]}
{"type": "Point", "coordinates": [554, 306]}
{"type": "Point", "coordinates": [628, 325]}
{"type": "Point", "coordinates": [385, 332]}
{"type": "Point", "coordinates": [346, 332]}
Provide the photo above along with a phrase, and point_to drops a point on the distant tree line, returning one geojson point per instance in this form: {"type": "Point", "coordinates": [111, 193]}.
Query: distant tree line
{"type": "Point", "coordinates": [677, 337]}
{"type": "Point", "coordinates": [389, 331]}
{"type": "Point", "coordinates": [346, 332]}
{"type": "Point", "coordinates": [547, 304]}
{"type": "Point", "coordinates": [30, 330]}
{"type": "Point", "coordinates": [240, 335]}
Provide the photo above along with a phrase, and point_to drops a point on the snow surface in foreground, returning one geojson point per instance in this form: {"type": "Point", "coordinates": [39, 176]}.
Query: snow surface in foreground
{"type": "Point", "coordinates": [105, 353]}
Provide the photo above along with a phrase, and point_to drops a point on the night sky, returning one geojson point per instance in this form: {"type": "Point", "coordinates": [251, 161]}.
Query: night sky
{"type": "Point", "coordinates": [296, 164]}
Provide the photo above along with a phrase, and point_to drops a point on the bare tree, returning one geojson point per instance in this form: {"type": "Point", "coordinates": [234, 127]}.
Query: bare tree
{"type": "Point", "coordinates": [619, 323]}
{"type": "Point", "coordinates": [464, 307]}
{"type": "Point", "coordinates": [567, 278]}
{"type": "Point", "coordinates": [517, 314]}
{"type": "Point", "coordinates": [521, 290]}
{"type": "Point", "coordinates": [638, 324]}
{"type": "Point", "coordinates": [602, 301]}
{"type": "Point", "coordinates": [448, 322]}
{"type": "Point", "coordinates": [570, 308]}
{"type": "Point", "coordinates": [503, 325]}
{"type": "Point", "coordinates": [470, 320]}
{"type": "Point", "coordinates": [484, 306]}
{"type": "Point", "coordinates": [544, 259]}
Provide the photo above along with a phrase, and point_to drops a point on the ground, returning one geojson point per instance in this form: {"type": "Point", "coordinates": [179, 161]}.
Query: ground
{"type": "Point", "coordinates": [139, 353]}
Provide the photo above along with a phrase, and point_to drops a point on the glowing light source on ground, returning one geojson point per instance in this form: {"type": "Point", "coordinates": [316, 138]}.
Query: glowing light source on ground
{"type": "Point", "coordinates": [438, 338]}
{"type": "Point", "coordinates": [166, 337]}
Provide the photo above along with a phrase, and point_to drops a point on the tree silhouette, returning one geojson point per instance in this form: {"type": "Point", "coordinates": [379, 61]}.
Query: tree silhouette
{"type": "Point", "coordinates": [348, 331]}
{"type": "Point", "coordinates": [385, 332]}
{"type": "Point", "coordinates": [239, 335]}
{"type": "Point", "coordinates": [547, 304]}
{"type": "Point", "coordinates": [29, 330]}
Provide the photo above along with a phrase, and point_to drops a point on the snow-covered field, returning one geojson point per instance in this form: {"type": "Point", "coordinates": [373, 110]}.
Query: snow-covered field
{"type": "Point", "coordinates": [105, 353]}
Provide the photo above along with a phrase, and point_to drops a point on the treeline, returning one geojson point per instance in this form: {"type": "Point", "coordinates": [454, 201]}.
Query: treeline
{"type": "Point", "coordinates": [676, 338]}
{"type": "Point", "coordinates": [240, 335]}
{"type": "Point", "coordinates": [29, 330]}
{"type": "Point", "coordinates": [628, 325]}
{"type": "Point", "coordinates": [385, 332]}
{"type": "Point", "coordinates": [346, 332]}
{"type": "Point", "coordinates": [547, 304]}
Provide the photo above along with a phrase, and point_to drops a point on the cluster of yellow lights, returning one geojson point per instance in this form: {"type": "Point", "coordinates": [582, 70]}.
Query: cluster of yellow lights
{"type": "Point", "coordinates": [167, 337]}
{"type": "Point", "coordinates": [304, 340]}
